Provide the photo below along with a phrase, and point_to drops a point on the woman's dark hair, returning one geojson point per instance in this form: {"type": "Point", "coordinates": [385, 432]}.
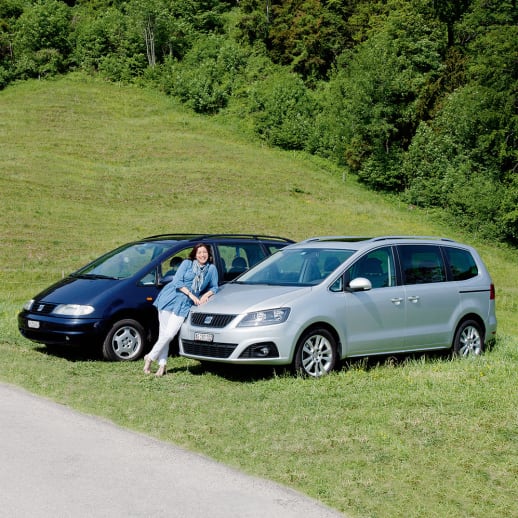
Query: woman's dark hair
{"type": "Point", "coordinates": [194, 251]}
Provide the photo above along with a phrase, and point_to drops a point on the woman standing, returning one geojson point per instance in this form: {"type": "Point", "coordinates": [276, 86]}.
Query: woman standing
{"type": "Point", "coordinates": [194, 283]}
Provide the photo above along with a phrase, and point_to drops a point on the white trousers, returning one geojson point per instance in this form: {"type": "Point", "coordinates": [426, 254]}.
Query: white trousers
{"type": "Point", "coordinates": [169, 325]}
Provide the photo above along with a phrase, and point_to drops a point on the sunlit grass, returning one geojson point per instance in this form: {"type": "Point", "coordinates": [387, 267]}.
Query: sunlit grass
{"type": "Point", "coordinates": [86, 166]}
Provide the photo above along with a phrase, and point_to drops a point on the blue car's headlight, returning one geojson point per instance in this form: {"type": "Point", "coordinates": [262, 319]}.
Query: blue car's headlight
{"type": "Point", "coordinates": [266, 317]}
{"type": "Point", "coordinates": [28, 305]}
{"type": "Point", "coordinates": [73, 310]}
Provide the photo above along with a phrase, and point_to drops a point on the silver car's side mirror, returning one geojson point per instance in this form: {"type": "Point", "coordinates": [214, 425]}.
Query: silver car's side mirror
{"type": "Point", "coordinates": [359, 284]}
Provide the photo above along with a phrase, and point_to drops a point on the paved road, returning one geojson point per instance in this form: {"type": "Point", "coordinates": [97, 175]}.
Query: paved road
{"type": "Point", "coordinates": [56, 463]}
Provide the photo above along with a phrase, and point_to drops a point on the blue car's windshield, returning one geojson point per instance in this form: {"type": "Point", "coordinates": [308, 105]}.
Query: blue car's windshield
{"type": "Point", "coordinates": [296, 267]}
{"type": "Point", "coordinates": [123, 262]}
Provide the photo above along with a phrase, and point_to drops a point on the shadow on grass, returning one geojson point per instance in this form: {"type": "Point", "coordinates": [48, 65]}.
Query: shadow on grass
{"type": "Point", "coordinates": [394, 360]}
{"type": "Point", "coordinates": [74, 353]}
{"type": "Point", "coordinates": [238, 373]}
{"type": "Point", "coordinates": [254, 373]}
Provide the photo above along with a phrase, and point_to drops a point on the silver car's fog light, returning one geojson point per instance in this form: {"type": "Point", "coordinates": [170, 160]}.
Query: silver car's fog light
{"type": "Point", "coordinates": [261, 350]}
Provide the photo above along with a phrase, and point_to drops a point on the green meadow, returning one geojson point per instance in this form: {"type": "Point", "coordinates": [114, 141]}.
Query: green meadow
{"type": "Point", "coordinates": [87, 165]}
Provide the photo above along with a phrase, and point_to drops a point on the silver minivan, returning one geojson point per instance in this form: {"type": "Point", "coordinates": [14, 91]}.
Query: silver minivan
{"type": "Point", "coordinates": [329, 298]}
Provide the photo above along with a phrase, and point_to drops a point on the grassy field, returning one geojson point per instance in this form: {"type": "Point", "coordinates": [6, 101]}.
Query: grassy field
{"type": "Point", "coordinates": [86, 166]}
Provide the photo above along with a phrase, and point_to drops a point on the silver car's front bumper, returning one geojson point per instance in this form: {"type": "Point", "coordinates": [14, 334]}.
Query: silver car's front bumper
{"type": "Point", "coordinates": [271, 344]}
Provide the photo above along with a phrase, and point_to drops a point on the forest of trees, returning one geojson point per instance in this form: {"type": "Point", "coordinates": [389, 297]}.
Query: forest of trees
{"type": "Point", "coordinates": [415, 98]}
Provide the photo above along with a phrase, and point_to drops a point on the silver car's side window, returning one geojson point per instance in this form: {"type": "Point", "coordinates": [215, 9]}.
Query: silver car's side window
{"type": "Point", "coordinates": [376, 266]}
{"type": "Point", "coordinates": [422, 264]}
{"type": "Point", "coordinates": [338, 285]}
{"type": "Point", "coordinates": [461, 264]}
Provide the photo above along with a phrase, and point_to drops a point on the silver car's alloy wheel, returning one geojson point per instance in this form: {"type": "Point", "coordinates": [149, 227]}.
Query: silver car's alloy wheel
{"type": "Point", "coordinates": [125, 341]}
{"type": "Point", "coordinates": [468, 340]}
{"type": "Point", "coordinates": [316, 353]}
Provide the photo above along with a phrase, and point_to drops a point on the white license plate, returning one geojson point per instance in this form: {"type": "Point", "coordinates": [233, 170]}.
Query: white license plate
{"type": "Point", "coordinates": [34, 324]}
{"type": "Point", "coordinates": [203, 337]}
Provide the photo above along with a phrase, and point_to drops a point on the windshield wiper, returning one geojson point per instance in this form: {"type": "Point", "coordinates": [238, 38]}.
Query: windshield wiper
{"type": "Point", "coordinates": [263, 283]}
{"type": "Point", "coordinates": [94, 276]}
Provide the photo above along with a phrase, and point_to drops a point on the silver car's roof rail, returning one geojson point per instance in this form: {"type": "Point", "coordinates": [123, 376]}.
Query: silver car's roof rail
{"type": "Point", "coordinates": [366, 238]}
{"type": "Point", "coordinates": [337, 238]}
{"type": "Point", "coordinates": [434, 238]}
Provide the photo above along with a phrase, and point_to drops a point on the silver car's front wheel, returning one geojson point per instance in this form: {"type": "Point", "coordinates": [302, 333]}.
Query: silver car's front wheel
{"type": "Point", "coordinates": [316, 353]}
{"type": "Point", "coordinates": [469, 340]}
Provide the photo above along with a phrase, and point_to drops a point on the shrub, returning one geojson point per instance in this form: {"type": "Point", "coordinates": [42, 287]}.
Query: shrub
{"type": "Point", "coordinates": [372, 102]}
{"type": "Point", "coordinates": [41, 39]}
{"type": "Point", "coordinates": [283, 110]}
{"type": "Point", "coordinates": [205, 78]}
{"type": "Point", "coordinates": [110, 44]}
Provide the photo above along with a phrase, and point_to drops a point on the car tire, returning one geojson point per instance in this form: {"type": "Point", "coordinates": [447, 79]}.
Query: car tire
{"type": "Point", "coordinates": [125, 341]}
{"type": "Point", "coordinates": [469, 339]}
{"type": "Point", "coordinates": [316, 353]}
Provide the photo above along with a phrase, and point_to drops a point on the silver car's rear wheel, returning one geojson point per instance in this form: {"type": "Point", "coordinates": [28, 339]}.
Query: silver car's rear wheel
{"type": "Point", "coordinates": [469, 340]}
{"type": "Point", "coordinates": [316, 353]}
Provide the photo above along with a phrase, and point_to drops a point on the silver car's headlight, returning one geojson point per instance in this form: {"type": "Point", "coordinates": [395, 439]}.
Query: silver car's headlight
{"type": "Point", "coordinates": [266, 317]}
{"type": "Point", "coordinates": [73, 310]}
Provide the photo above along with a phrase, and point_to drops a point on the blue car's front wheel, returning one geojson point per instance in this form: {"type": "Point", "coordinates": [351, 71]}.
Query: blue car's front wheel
{"type": "Point", "coordinates": [125, 341]}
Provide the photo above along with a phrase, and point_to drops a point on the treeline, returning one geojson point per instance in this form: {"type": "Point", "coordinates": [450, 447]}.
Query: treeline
{"type": "Point", "coordinates": [416, 97]}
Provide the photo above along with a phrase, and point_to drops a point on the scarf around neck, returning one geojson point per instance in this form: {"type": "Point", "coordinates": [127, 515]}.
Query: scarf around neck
{"type": "Point", "coordinates": [199, 275]}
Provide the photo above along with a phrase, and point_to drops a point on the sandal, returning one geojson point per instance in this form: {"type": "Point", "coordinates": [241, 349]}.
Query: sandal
{"type": "Point", "coordinates": [147, 364]}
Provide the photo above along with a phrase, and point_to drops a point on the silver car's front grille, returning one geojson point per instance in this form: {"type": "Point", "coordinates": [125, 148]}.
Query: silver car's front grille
{"type": "Point", "coordinates": [213, 350]}
{"type": "Point", "coordinates": [211, 319]}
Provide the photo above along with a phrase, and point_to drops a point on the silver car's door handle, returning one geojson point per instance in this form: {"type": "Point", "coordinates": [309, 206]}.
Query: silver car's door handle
{"type": "Point", "coordinates": [414, 299]}
{"type": "Point", "coordinates": [396, 300]}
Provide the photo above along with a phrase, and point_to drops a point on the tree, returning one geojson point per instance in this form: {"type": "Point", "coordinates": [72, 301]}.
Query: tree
{"type": "Point", "coordinates": [449, 12]}
{"type": "Point", "coordinates": [41, 38]}
{"type": "Point", "coordinates": [376, 94]}
{"type": "Point", "coordinates": [282, 109]}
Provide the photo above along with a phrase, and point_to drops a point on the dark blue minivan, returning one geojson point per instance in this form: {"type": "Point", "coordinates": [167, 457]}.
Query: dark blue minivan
{"type": "Point", "coordinates": [109, 302]}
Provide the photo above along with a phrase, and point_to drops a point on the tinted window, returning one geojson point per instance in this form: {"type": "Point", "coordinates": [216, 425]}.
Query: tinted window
{"type": "Point", "coordinates": [461, 264]}
{"type": "Point", "coordinates": [274, 247]}
{"type": "Point", "coordinates": [421, 264]}
{"type": "Point", "coordinates": [377, 266]}
{"type": "Point", "coordinates": [239, 257]}
{"type": "Point", "coordinates": [170, 266]}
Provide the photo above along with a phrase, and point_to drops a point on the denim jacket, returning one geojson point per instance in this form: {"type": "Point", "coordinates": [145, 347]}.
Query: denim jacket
{"type": "Point", "coordinates": [172, 299]}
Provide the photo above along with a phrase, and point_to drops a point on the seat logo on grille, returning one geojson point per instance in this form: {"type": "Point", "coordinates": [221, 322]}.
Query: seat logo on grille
{"type": "Point", "coordinates": [208, 319]}
{"type": "Point", "coordinates": [41, 307]}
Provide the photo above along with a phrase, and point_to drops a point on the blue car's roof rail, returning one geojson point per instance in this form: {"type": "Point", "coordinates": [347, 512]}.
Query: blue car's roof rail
{"type": "Point", "coordinates": [201, 237]}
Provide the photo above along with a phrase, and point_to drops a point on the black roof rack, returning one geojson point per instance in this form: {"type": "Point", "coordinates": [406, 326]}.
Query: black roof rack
{"type": "Point", "coordinates": [337, 238]}
{"type": "Point", "coordinates": [384, 238]}
{"type": "Point", "coordinates": [365, 238]}
{"type": "Point", "coordinates": [202, 237]}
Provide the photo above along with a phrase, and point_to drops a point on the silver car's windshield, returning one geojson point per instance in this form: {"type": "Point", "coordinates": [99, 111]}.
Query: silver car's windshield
{"type": "Point", "coordinates": [296, 267]}
{"type": "Point", "coordinates": [123, 262]}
